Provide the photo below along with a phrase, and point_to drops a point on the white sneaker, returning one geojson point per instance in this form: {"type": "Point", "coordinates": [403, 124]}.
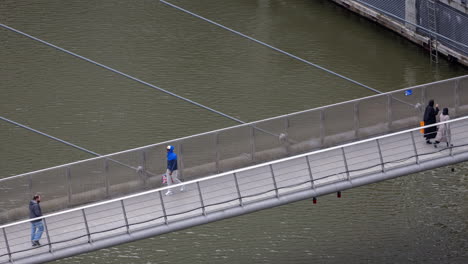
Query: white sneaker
{"type": "Point", "coordinates": [169, 193]}
{"type": "Point", "coordinates": [182, 188]}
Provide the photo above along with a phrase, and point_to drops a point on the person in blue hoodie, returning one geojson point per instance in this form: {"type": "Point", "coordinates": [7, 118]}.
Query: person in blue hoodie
{"type": "Point", "coordinates": [36, 226]}
{"type": "Point", "coordinates": [171, 172]}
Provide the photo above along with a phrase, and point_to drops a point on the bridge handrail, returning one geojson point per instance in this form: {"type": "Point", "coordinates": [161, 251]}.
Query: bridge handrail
{"type": "Point", "coordinates": [231, 172]}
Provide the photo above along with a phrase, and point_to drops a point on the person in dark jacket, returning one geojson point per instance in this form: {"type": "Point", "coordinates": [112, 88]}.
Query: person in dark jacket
{"type": "Point", "coordinates": [430, 118]}
{"type": "Point", "coordinates": [36, 225]}
{"type": "Point", "coordinates": [171, 172]}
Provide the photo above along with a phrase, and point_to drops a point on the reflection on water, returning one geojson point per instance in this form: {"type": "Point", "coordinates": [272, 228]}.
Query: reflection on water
{"type": "Point", "coordinates": [419, 218]}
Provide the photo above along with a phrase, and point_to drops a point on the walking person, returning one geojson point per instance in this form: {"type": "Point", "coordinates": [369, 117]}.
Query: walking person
{"type": "Point", "coordinates": [36, 226]}
{"type": "Point", "coordinates": [171, 171]}
{"type": "Point", "coordinates": [430, 118]}
{"type": "Point", "coordinates": [443, 130]}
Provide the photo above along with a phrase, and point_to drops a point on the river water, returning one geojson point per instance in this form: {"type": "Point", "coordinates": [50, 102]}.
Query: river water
{"type": "Point", "coordinates": [421, 218]}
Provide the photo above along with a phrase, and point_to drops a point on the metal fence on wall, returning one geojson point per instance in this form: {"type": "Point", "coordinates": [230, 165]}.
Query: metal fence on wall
{"type": "Point", "coordinates": [430, 15]}
{"type": "Point", "coordinates": [395, 7]}
{"type": "Point", "coordinates": [450, 23]}
{"type": "Point", "coordinates": [333, 169]}
{"type": "Point", "coordinates": [222, 150]}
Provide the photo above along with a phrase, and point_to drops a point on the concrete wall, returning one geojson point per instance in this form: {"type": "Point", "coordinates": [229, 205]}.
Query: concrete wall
{"type": "Point", "coordinates": [411, 14]}
{"type": "Point", "coordinates": [452, 21]}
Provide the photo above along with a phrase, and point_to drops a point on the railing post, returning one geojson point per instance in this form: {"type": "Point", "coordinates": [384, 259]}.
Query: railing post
{"type": "Point", "coordinates": [47, 234]}
{"type": "Point", "coordinates": [181, 161]}
{"type": "Point", "coordinates": [238, 189]}
{"type": "Point", "coordinates": [322, 128]}
{"type": "Point", "coordinates": [286, 141]}
{"type": "Point", "coordinates": [69, 184]}
{"type": "Point", "coordinates": [380, 155]}
{"type": "Point", "coordinates": [143, 166]}
{"type": "Point", "coordinates": [201, 198]}
{"type": "Point", "coordinates": [415, 149]}
{"type": "Point", "coordinates": [107, 180]}
{"type": "Point", "coordinates": [125, 216]}
{"type": "Point", "coordinates": [389, 112]}
{"type": "Point", "coordinates": [7, 245]}
{"type": "Point", "coordinates": [356, 119]}
{"type": "Point", "coordinates": [345, 163]}
{"type": "Point", "coordinates": [312, 183]}
{"type": "Point", "coordinates": [86, 225]}
{"type": "Point", "coordinates": [217, 152]}
{"type": "Point", "coordinates": [274, 181]}
{"type": "Point", "coordinates": [252, 143]}
{"type": "Point", "coordinates": [163, 207]}
{"type": "Point", "coordinates": [457, 97]}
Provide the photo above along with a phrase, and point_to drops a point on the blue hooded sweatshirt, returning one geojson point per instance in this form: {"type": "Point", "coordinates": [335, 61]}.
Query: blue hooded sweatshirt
{"type": "Point", "coordinates": [171, 159]}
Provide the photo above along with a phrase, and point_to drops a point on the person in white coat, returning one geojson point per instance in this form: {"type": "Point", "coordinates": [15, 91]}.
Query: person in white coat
{"type": "Point", "coordinates": [443, 130]}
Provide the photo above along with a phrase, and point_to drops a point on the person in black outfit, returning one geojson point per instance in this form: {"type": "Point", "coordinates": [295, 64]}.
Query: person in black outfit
{"type": "Point", "coordinates": [429, 119]}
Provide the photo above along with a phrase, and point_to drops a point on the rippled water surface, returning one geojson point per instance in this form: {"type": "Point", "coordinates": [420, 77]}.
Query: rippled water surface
{"type": "Point", "coordinates": [420, 218]}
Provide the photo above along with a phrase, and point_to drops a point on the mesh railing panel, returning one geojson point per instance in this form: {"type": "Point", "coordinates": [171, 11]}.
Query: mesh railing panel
{"type": "Point", "coordinates": [15, 194]}
{"type": "Point", "coordinates": [235, 147]}
{"type": "Point", "coordinates": [373, 116]}
{"type": "Point", "coordinates": [88, 181]}
{"type": "Point", "coordinates": [406, 110]}
{"type": "Point", "coordinates": [54, 185]}
{"type": "Point", "coordinates": [198, 156]}
{"type": "Point", "coordinates": [123, 176]}
{"type": "Point", "coordinates": [268, 144]}
{"type": "Point", "coordinates": [304, 131]}
{"type": "Point", "coordinates": [443, 94]}
{"type": "Point", "coordinates": [339, 123]}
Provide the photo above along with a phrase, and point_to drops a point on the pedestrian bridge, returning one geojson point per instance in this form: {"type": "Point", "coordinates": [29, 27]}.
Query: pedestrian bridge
{"type": "Point", "coordinates": [230, 172]}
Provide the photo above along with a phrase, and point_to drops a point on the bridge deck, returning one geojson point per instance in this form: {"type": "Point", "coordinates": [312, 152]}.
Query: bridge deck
{"type": "Point", "coordinates": [217, 194]}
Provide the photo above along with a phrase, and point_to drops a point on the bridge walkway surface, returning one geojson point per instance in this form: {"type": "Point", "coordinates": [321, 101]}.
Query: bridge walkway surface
{"type": "Point", "coordinates": [232, 193]}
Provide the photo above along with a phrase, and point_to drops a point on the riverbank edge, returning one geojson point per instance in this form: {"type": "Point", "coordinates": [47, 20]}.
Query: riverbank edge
{"type": "Point", "coordinates": [402, 30]}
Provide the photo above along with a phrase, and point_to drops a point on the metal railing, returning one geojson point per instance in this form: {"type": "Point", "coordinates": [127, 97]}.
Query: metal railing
{"type": "Point", "coordinates": [226, 149]}
{"type": "Point", "coordinates": [237, 188]}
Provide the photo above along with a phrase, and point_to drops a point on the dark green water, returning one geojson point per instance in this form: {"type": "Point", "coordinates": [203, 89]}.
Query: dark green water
{"type": "Point", "coordinates": [416, 219]}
